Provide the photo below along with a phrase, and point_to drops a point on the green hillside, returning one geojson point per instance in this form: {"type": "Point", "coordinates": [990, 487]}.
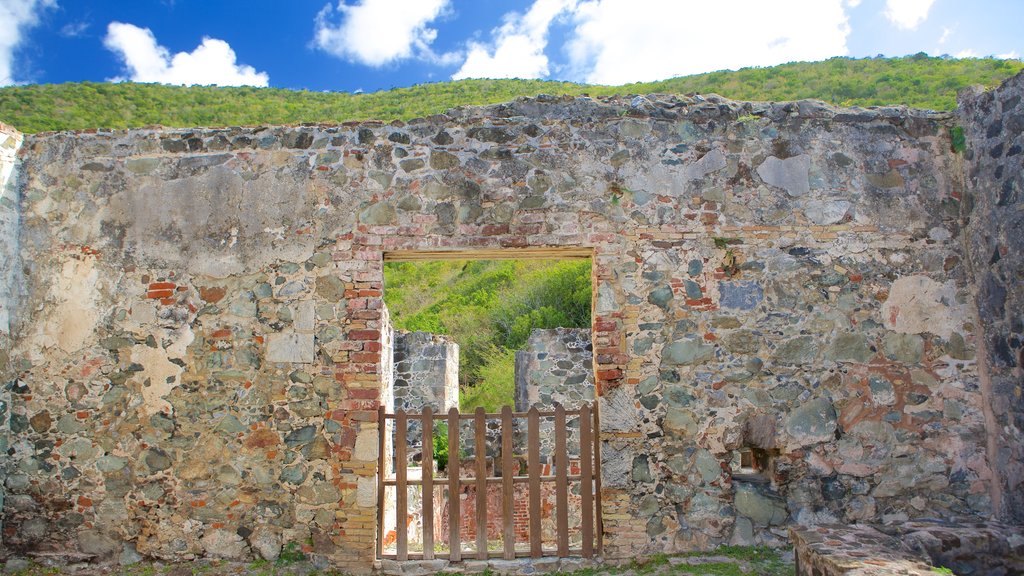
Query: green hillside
{"type": "Point", "coordinates": [489, 308]}
{"type": "Point", "coordinates": [918, 81]}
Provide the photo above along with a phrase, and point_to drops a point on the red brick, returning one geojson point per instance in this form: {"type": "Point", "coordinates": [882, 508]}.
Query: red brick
{"type": "Point", "coordinates": [159, 294]}
{"type": "Point", "coordinates": [364, 335]}
{"type": "Point", "coordinates": [364, 357]}
{"type": "Point", "coordinates": [363, 394]}
{"type": "Point", "coordinates": [162, 286]}
{"type": "Point", "coordinates": [612, 374]}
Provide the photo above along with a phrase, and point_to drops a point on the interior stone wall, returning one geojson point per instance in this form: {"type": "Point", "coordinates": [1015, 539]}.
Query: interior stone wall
{"type": "Point", "coordinates": [787, 276]}
{"type": "Point", "coordinates": [994, 127]}
{"type": "Point", "coordinates": [555, 367]}
{"type": "Point", "coordinates": [426, 368]}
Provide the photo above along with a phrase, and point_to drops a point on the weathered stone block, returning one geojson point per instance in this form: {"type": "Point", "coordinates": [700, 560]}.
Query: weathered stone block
{"type": "Point", "coordinates": [294, 347]}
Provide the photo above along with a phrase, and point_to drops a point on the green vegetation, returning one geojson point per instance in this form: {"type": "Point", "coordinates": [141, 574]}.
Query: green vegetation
{"type": "Point", "coordinates": [918, 80]}
{"type": "Point", "coordinates": [489, 308]}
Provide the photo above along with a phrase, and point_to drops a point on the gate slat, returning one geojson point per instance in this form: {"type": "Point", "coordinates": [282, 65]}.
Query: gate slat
{"type": "Point", "coordinates": [381, 471]}
{"type": "Point", "coordinates": [402, 496]}
{"type": "Point", "coordinates": [561, 483]}
{"type": "Point", "coordinates": [533, 465]}
{"type": "Point", "coordinates": [599, 515]}
{"type": "Point", "coordinates": [454, 467]}
{"type": "Point", "coordinates": [507, 496]}
{"type": "Point", "coordinates": [479, 425]}
{"type": "Point", "coordinates": [427, 492]}
{"type": "Point", "coordinates": [586, 483]}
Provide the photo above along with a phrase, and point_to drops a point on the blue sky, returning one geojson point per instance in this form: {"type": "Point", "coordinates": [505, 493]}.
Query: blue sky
{"type": "Point", "coordinates": [369, 45]}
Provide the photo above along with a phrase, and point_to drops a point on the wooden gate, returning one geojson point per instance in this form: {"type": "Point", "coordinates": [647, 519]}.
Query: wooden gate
{"type": "Point", "coordinates": [539, 479]}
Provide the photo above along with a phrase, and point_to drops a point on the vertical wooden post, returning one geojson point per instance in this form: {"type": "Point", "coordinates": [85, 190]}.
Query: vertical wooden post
{"type": "Point", "coordinates": [533, 464]}
{"type": "Point", "coordinates": [402, 488]}
{"type": "Point", "coordinates": [599, 516]}
{"type": "Point", "coordinates": [586, 483]}
{"type": "Point", "coordinates": [427, 494]}
{"type": "Point", "coordinates": [507, 493]}
{"type": "Point", "coordinates": [454, 469]}
{"type": "Point", "coordinates": [480, 429]}
{"type": "Point", "coordinates": [561, 483]}
{"type": "Point", "coordinates": [381, 471]}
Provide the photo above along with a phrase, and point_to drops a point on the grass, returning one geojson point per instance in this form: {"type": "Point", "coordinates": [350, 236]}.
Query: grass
{"type": "Point", "coordinates": [725, 561]}
{"type": "Point", "coordinates": [918, 80]}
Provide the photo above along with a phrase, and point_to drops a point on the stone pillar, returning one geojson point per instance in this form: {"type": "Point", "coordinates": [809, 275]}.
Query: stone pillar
{"type": "Point", "coordinates": [993, 123]}
{"type": "Point", "coordinates": [557, 366]}
{"type": "Point", "coordinates": [426, 373]}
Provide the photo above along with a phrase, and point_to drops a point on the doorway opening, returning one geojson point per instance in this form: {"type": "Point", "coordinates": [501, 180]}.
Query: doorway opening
{"type": "Point", "coordinates": [494, 337]}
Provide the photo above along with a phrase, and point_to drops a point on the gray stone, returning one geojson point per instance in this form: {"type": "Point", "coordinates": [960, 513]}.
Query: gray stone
{"type": "Point", "coordinates": [661, 297]}
{"type": "Point", "coordinates": [266, 543]}
{"type": "Point", "coordinates": [761, 509]}
{"type": "Point", "coordinates": [294, 347]}
{"type": "Point", "coordinates": [129, 555]}
{"type": "Point", "coordinates": [111, 463]}
{"type": "Point", "coordinates": [882, 391]}
{"type": "Point", "coordinates": [17, 565]}
{"type": "Point", "coordinates": [689, 350]}
{"type": "Point", "coordinates": [812, 422]}
{"type": "Point", "coordinates": [300, 436]}
{"type": "Point", "coordinates": [224, 544]}
{"type": "Point", "coordinates": [742, 342]}
{"type": "Point", "coordinates": [744, 295]}
{"type": "Point", "coordinates": [693, 291]}
{"type": "Point", "coordinates": [903, 347]}
{"type": "Point", "coordinates": [713, 161]}
{"type": "Point", "coordinates": [825, 212]}
{"type": "Point", "coordinates": [319, 494]}
{"type": "Point", "coordinates": [641, 470]}
{"type": "Point", "coordinates": [694, 267]}
{"type": "Point", "coordinates": [709, 466]}
{"type": "Point", "coordinates": [157, 460]}
{"type": "Point", "coordinates": [380, 214]}
{"type": "Point", "coordinates": [742, 532]}
{"type": "Point", "coordinates": [797, 351]}
{"type": "Point", "coordinates": [97, 544]}
{"type": "Point", "coordinates": [850, 347]}
{"type": "Point", "coordinates": [790, 174]}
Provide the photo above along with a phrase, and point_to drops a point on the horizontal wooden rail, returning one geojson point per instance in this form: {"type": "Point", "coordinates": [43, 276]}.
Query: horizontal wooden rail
{"type": "Point", "coordinates": [489, 479]}
{"type": "Point", "coordinates": [490, 554]}
{"type": "Point", "coordinates": [540, 253]}
{"type": "Point", "coordinates": [487, 416]}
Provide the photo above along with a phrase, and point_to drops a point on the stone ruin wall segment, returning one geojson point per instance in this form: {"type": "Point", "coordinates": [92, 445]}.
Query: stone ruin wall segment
{"type": "Point", "coordinates": [195, 359]}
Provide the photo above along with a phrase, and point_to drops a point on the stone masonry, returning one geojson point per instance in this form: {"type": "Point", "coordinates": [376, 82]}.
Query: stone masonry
{"type": "Point", "coordinates": [194, 360]}
{"type": "Point", "coordinates": [426, 374]}
{"type": "Point", "coordinates": [555, 367]}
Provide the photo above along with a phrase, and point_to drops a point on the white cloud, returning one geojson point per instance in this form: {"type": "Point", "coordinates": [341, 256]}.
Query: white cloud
{"type": "Point", "coordinates": [946, 33]}
{"type": "Point", "coordinates": [379, 32]}
{"type": "Point", "coordinates": [212, 62]}
{"type": "Point", "coordinates": [1011, 55]}
{"type": "Point", "coordinates": [968, 53]}
{"type": "Point", "coordinates": [907, 14]}
{"type": "Point", "coordinates": [619, 41]}
{"type": "Point", "coordinates": [74, 29]}
{"type": "Point", "coordinates": [16, 17]}
{"type": "Point", "coordinates": [517, 50]}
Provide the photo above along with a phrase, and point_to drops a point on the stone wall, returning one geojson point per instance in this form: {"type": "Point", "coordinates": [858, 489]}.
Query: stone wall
{"type": "Point", "coordinates": [784, 276]}
{"type": "Point", "coordinates": [426, 374]}
{"type": "Point", "coordinates": [994, 127]}
{"type": "Point", "coordinates": [556, 367]}
{"type": "Point", "coordinates": [10, 142]}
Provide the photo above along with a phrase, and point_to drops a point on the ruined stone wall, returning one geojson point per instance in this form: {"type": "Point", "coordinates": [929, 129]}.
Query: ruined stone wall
{"type": "Point", "coordinates": [994, 127]}
{"type": "Point", "coordinates": [785, 276]}
{"type": "Point", "coordinates": [556, 367]}
{"type": "Point", "coordinates": [426, 374]}
{"type": "Point", "coordinates": [10, 141]}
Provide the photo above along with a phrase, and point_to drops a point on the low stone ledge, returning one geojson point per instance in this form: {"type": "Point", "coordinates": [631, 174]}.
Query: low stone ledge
{"type": "Point", "coordinates": [912, 549]}
{"type": "Point", "coordinates": [518, 567]}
